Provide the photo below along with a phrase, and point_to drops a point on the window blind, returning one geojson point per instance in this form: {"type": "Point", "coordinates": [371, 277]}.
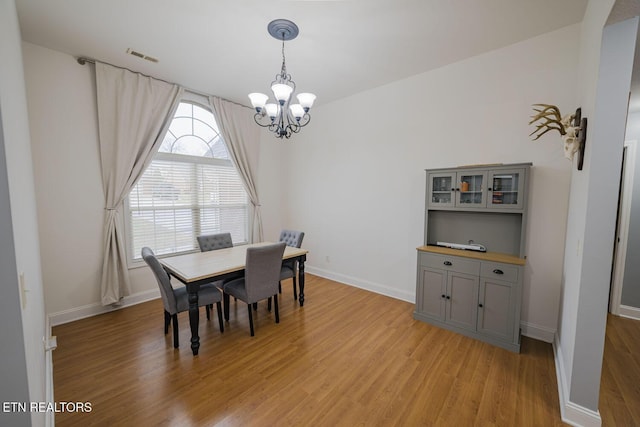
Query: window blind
{"type": "Point", "coordinates": [181, 197]}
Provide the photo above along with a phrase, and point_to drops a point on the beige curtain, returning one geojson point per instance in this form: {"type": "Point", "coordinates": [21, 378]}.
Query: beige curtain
{"type": "Point", "coordinates": [241, 135]}
{"type": "Point", "coordinates": [134, 112]}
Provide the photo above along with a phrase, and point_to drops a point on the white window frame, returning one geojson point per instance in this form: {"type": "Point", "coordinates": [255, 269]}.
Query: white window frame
{"type": "Point", "coordinates": [134, 262]}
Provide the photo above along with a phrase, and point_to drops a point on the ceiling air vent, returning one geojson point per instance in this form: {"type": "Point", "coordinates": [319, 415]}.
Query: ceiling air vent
{"type": "Point", "coordinates": [141, 55]}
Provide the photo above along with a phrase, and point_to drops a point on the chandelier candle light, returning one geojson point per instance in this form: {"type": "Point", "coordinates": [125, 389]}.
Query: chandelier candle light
{"type": "Point", "coordinates": [283, 118]}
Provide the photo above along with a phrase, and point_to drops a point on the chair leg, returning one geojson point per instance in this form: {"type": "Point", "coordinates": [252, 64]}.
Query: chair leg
{"type": "Point", "coordinates": [275, 308]}
{"type": "Point", "coordinates": [174, 318]}
{"type": "Point", "coordinates": [280, 287]}
{"type": "Point", "coordinates": [167, 322]}
{"type": "Point", "coordinates": [295, 293]}
{"type": "Point", "coordinates": [269, 304]}
{"type": "Point", "coordinates": [250, 319]}
{"type": "Point", "coordinates": [255, 306]}
{"type": "Point", "coordinates": [219, 307]}
{"type": "Point", "coordinates": [225, 297]}
{"type": "Point", "coordinates": [208, 310]}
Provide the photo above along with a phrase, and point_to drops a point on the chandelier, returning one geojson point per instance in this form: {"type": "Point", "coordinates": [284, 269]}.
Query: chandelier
{"type": "Point", "coordinates": [282, 117]}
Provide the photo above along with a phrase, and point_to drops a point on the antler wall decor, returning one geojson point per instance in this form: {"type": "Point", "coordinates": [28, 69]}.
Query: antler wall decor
{"type": "Point", "coordinates": [572, 129]}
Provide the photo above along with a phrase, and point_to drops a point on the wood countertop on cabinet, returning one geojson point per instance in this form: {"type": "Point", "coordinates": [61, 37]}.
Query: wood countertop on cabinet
{"type": "Point", "coordinates": [482, 256]}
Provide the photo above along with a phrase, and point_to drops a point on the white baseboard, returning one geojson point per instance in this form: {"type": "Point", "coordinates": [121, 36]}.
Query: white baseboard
{"type": "Point", "coordinates": [364, 284]}
{"type": "Point", "coordinates": [571, 413]}
{"type": "Point", "coordinates": [630, 312]}
{"type": "Point", "coordinates": [78, 313]}
{"type": "Point", "coordinates": [537, 332]}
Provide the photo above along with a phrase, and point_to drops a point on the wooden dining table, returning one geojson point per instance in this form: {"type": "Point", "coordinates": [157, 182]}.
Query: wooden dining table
{"type": "Point", "coordinates": [199, 268]}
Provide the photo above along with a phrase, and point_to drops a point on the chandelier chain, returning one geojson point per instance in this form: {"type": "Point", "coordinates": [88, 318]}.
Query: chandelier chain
{"type": "Point", "coordinates": [284, 66]}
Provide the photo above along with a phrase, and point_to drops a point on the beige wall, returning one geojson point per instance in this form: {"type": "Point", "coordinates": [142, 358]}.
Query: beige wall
{"type": "Point", "coordinates": [62, 112]}
{"type": "Point", "coordinates": [355, 181]}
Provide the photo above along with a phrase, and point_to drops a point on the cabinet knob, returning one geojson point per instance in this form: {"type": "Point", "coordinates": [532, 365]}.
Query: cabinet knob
{"type": "Point", "coordinates": [497, 271]}
{"type": "Point", "coordinates": [448, 297]}
{"type": "Point", "coordinates": [480, 305]}
{"type": "Point", "coordinates": [449, 263]}
{"type": "Point", "coordinates": [443, 296]}
{"type": "Point", "coordinates": [490, 189]}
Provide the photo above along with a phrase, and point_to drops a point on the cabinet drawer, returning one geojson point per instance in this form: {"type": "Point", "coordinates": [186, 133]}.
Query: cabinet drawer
{"type": "Point", "coordinates": [451, 263]}
{"type": "Point", "coordinates": [494, 270]}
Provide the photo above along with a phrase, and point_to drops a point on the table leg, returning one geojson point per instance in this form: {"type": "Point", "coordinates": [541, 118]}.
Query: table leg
{"type": "Point", "coordinates": [194, 319]}
{"type": "Point", "coordinates": [301, 279]}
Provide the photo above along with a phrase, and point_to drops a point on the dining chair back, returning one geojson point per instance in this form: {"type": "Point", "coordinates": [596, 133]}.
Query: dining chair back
{"type": "Point", "coordinates": [290, 267]}
{"type": "Point", "coordinates": [211, 242]}
{"type": "Point", "coordinates": [260, 281]}
{"type": "Point", "coordinates": [292, 238]}
{"type": "Point", "coordinates": [163, 279]}
{"type": "Point", "coordinates": [263, 271]}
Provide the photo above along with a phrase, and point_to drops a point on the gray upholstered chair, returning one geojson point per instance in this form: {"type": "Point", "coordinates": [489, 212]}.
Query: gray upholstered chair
{"type": "Point", "coordinates": [290, 267]}
{"type": "Point", "coordinates": [260, 281]}
{"type": "Point", "coordinates": [211, 242]}
{"type": "Point", "coordinates": [177, 300]}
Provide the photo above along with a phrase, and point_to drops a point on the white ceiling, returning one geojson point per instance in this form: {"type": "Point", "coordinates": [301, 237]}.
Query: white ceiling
{"type": "Point", "coordinates": [222, 47]}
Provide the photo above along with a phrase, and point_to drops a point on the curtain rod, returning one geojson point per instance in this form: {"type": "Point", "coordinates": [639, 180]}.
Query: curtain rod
{"type": "Point", "coordinates": [83, 60]}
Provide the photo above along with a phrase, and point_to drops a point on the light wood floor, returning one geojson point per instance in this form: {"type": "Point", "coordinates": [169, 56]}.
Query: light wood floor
{"type": "Point", "coordinates": [620, 383]}
{"type": "Point", "coordinates": [348, 357]}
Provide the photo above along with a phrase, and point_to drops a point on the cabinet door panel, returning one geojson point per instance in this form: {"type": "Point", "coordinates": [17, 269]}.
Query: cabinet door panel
{"type": "Point", "coordinates": [471, 190]}
{"type": "Point", "coordinates": [433, 284]}
{"type": "Point", "coordinates": [441, 190]}
{"type": "Point", "coordinates": [462, 300]}
{"type": "Point", "coordinates": [506, 189]}
{"type": "Point", "coordinates": [496, 314]}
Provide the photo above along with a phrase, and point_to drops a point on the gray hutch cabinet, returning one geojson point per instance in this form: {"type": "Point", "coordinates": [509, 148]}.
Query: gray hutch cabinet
{"type": "Point", "coordinates": [477, 293]}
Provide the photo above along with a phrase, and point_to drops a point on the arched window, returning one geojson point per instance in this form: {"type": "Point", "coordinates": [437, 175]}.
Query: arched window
{"type": "Point", "coordinates": [190, 188]}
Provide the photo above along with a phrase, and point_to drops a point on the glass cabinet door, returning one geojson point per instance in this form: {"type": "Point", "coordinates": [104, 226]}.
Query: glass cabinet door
{"type": "Point", "coordinates": [505, 189]}
{"type": "Point", "coordinates": [471, 188]}
{"type": "Point", "coordinates": [441, 189]}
